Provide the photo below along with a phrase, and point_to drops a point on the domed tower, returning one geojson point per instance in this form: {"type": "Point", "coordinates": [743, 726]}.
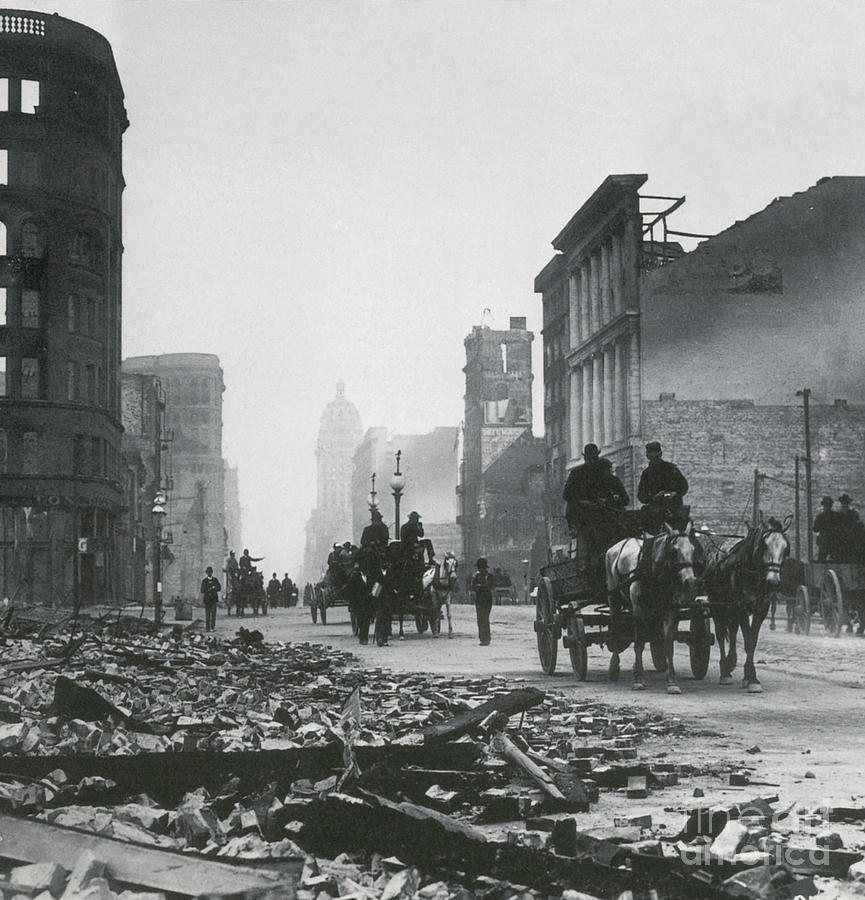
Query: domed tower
{"type": "Point", "coordinates": [61, 124]}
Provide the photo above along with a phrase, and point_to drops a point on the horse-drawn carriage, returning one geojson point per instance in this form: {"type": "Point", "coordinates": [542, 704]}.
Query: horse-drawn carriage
{"type": "Point", "coordinates": [247, 589]}
{"type": "Point", "coordinates": [835, 591]}
{"type": "Point", "coordinates": [328, 593]}
{"type": "Point", "coordinates": [575, 604]}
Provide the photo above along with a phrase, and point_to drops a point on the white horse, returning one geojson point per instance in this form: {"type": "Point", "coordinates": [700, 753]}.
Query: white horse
{"type": "Point", "coordinates": [444, 583]}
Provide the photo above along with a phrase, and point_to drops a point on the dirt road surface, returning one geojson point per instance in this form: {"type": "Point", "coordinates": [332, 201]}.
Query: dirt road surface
{"type": "Point", "coordinates": [810, 717]}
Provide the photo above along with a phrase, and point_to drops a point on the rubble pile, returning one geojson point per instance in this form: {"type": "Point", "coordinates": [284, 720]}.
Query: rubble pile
{"type": "Point", "coordinates": [340, 773]}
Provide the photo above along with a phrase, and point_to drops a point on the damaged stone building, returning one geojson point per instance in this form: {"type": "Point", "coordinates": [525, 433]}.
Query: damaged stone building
{"type": "Point", "coordinates": [705, 350]}
{"type": "Point", "coordinates": [501, 476]}
{"type": "Point", "coordinates": [62, 120]}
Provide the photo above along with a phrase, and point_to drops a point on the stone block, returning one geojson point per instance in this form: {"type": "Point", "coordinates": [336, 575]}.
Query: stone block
{"type": "Point", "coordinates": [34, 879]}
{"type": "Point", "coordinates": [85, 870]}
{"type": "Point", "coordinates": [731, 839]}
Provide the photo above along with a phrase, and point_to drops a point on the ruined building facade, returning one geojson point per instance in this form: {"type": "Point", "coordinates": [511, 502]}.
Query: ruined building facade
{"type": "Point", "coordinates": [193, 466]}
{"type": "Point", "coordinates": [331, 521]}
{"type": "Point", "coordinates": [62, 119]}
{"type": "Point", "coordinates": [705, 350]}
{"type": "Point", "coordinates": [501, 468]}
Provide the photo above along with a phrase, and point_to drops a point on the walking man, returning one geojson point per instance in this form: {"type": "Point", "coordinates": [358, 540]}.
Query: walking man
{"type": "Point", "coordinates": [274, 592]}
{"type": "Point", "coordinates": [210, 588]}
{"type": "Point", "coordinates": [287, 590]}
{"type": "Point", "coordinates": [482, 585]}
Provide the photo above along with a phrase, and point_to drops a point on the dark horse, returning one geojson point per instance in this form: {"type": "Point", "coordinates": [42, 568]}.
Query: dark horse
{"type": "Point", "coordinates": [741, 580]}
{"type": "Point", "coordinates": [670, 584]}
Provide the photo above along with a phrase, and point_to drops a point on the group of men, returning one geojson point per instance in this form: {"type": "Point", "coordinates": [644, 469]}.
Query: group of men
{"type": "Point", "coordinates": [594, 495]}
{"type": "Point", "coordinates": [840, 532]}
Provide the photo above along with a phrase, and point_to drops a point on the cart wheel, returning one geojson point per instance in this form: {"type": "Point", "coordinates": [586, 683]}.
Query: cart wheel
{"type": "Point", "coordinates": [615, 667]}
{"type": "Point", "coordinates": [831, 603]}
{"type": "Point", "coordinates": [548, 645]}
{"type": "Point", "coordinates": [421, 621]}
{"type": "Point", "coordinates": [802, 611]}
{"type": "Point", "coordinates": [700, 646]}
{"type": "Point", "coordinates": [659, 655]}
{"type": "Point", "coordinates": [353, 622]}
{"type": "Point", "coordinates": [313, 610]}
{"type": "Point", "coordinates": [578, 648]}
{"type": "Point", "coordinates": [435, 620]}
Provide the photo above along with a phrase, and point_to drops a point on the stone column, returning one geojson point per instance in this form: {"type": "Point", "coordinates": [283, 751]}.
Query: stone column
{"type": "Point", "coordinates": [609, 408]}
{"type": "Point", "coordinates": [606, 306]}
{"type": "Point", "coordinates": [616, 271]}
{"type": "Point", "coordinates": [598, 399]}
{"type": "Point", "coordinates": [595, 291]}
{"type": "Point", "coordinates": [635, 391]}
{"type": "Point", "coordinates": [574, 308]}
{"type": "Point", "coordinates": [621, 392]}
{"type": "Point", "coordinates": [586, 405]}
{"type": "Point", "coordinates": [631, 236]}
{"type": "Point", "coordinates": [576, 408]}
{"type": "Point", "coordinates": [585, 303]}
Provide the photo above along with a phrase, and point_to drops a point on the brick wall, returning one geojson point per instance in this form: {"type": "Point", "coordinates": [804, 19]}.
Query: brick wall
{"type": "Point", "coordinates": [718, 444]}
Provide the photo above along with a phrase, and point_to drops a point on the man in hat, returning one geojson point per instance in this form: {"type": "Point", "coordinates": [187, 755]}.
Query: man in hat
{"type": "Point", "coordinates": [232, 575]}
{"type": "Point", "coordinates": [376, 532]}
{"type": "Point", "coordinates": [246, 562]}
{"type": "Point", "coordinates": [210, 588]}
{"type": "Point", "coordinates": [411, 536]}
{"type": "Point", "coordinates": [826, 529]}
{"type": "Point", "coordinates": [482, 585]}
{"type": "Point", "coordinates": [274, 592]}
{"type": "Point", "coordinates": [591, 492]}
{"type": "Point", "coordinates": [849, 532]}
{"type": "Point", "coordinates": [662, 487]}
{"type": "Point", "coordinates": [287, 587]}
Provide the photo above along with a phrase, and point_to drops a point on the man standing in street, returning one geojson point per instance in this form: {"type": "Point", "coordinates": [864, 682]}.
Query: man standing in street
{"type": "Point", "coordinates": [376, 532]}
{"type": "Point", "coordinates": [482, 585]}
{"type": "Point", "coordinates": [274, 592]}
{"type": "Point", "coordinates": [287, 590]}
{"type": "Point", "coordinates": [210, 588]}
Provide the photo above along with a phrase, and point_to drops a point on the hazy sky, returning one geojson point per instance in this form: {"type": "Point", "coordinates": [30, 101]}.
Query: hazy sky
{"type": "Point", "coordinates": [317, 190]}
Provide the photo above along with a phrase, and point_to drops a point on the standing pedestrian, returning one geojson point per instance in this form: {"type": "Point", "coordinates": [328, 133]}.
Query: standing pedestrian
{"type": "Point", "coordinates": [274, 592]}
{"type": "Point", "coordinates": [482, 585]}
{"type": "Point", "coordinates": [210, 588]}
{"type": "Point", "coordinates": [287, 590]}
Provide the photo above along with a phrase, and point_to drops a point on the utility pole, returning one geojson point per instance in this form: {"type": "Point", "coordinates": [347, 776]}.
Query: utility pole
{"type": "Point", "coordinates": [755, 517]}
{"type": "Point", "coordinates": [156, 514]}
{"type": "Point", "coordinates": [805, 394]}
{"type": "Point", "coordinates": [202, 493]}
{"type": "Point", "coordinates": [797, 511]}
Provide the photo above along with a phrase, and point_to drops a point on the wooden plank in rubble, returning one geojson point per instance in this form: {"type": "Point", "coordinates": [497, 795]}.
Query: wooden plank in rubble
{"type": "Point", "coordinates": [509, 704]}
{"type": "Point", "coordinates": [29, 841]}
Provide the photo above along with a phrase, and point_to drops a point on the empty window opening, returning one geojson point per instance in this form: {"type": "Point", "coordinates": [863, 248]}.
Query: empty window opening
{"type": "Point", "coordinates": [29, 96]}
{"type": "Point", "coordinates": [2, 376]}
{"type": "Point", "coordinates": [29, 378]}
{"type": "Point", "coordinates": [3, 313]}
{"type": "Point", "coordinates": [4, 95]}
{"type": "Point", "coordinates": [29, 309]}
{"type": "Point", "coordinates": [504, 357]}
{"type": "Point", "coordinates": [4, 167]}
{"type": "Point", "coordinates": [2, 239]}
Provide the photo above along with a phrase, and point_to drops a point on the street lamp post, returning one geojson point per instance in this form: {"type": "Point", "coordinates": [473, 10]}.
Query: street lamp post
{"type": "Point", "coordinates": [397, 484]}
{"type": "Point", "coordinates": [805, 394]}
{"type": "Point", "coordinates": [158, 514]}
{"type": "Point", "coordinates": [525, 581]}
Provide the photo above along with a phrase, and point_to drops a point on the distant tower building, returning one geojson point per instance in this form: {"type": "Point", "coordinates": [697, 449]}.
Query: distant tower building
{"type": "Point", "coordinates": [501, 473]}
{"type": "Point", "coordinates": [61, 123]}
{"type": "Point", "coordinates": [338, 436]}
{"type": "Point", "coordinates": [233, 510]}
{"type": "Point", "coordinates": [193, 468]}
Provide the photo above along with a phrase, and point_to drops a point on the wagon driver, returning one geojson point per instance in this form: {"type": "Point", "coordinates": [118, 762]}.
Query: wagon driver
{"type": "Point", "coordinates": [662, 487]}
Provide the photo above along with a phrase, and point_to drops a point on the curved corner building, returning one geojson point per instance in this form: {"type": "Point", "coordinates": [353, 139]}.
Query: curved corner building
{"type": "Point", "coordinates": [62, 120]}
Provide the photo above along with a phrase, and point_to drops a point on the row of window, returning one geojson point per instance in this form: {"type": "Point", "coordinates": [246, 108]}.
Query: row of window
{"type": "Point", "coordinates": [93, 456]}
{"type": "Point", "coordinates": [84, 383]}
{"type": "Point", "coordinates": [29, 102]}
{"type": "Point", "coordinates": [85, 248]}
{"type": "Point", "coordinates": [195, 391]}
{"type": "Point", "coordinates": [84, 315]}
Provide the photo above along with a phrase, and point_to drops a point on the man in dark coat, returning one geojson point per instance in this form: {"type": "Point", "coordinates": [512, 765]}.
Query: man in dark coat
{"type": "Point", "coordinates": [274, 592]}
{"type": "Point", "coordinates": [660, 478]}
{"type": "Point", "coordinates": [287, 590]}
{"type": "Point", "coordinates": [591, 492]}
{"type": "Point", "coordinates": [232, 578]}
{"type": "Point", "coordinates": [376, 532]}
{"type": "Point", "coordinates": [482, 585]}
{"type": "Point", "coordinates": [826, 529]}
{"type": "Point", "coordinates": [411, 536]}
{"type": "Point", "coordinates": [210, 588]}
{"type": "Point", "coordinates": [246, 562]}
{"type": "Point", "coordinates": [849, 532]}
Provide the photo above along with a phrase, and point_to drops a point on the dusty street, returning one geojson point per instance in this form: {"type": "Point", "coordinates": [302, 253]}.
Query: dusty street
{"type": "Point", "coordinates": [810, 717]}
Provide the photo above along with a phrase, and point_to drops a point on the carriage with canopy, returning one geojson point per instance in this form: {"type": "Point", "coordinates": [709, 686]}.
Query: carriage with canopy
{"type": "Point", "coordinates": [835, 591]}
{"type": "Point", "coordinates": [573, 606]}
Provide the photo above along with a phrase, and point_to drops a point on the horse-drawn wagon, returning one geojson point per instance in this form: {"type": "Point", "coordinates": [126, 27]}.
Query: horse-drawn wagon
{"type": "Point", "coordinates": [575, 605]}
{"type": "Point", "coordinates": [833, 590]}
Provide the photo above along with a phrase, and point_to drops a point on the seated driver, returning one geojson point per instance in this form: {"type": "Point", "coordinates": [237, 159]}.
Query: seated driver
{"type": "Point", "coordinates": [411, 536]}
{"type": "Point", "coordinates": [591, 491]}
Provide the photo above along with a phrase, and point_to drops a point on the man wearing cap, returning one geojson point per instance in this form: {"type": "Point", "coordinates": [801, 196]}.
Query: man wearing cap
{"type": "Point", "coordinates": [376, 532]}
{"type": "Point", "coordinates": [591, 491]}
{"type": "Point", "coordinates": [210, 588]}
{"type": "Point", "coordinates": [482, 585]}
{"type": "Point", "coordinates": [826, 529]}
{"type": "Point", "coordinates": [662, 487]}
{"type": "Point", "coordinates": [411, 536]}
